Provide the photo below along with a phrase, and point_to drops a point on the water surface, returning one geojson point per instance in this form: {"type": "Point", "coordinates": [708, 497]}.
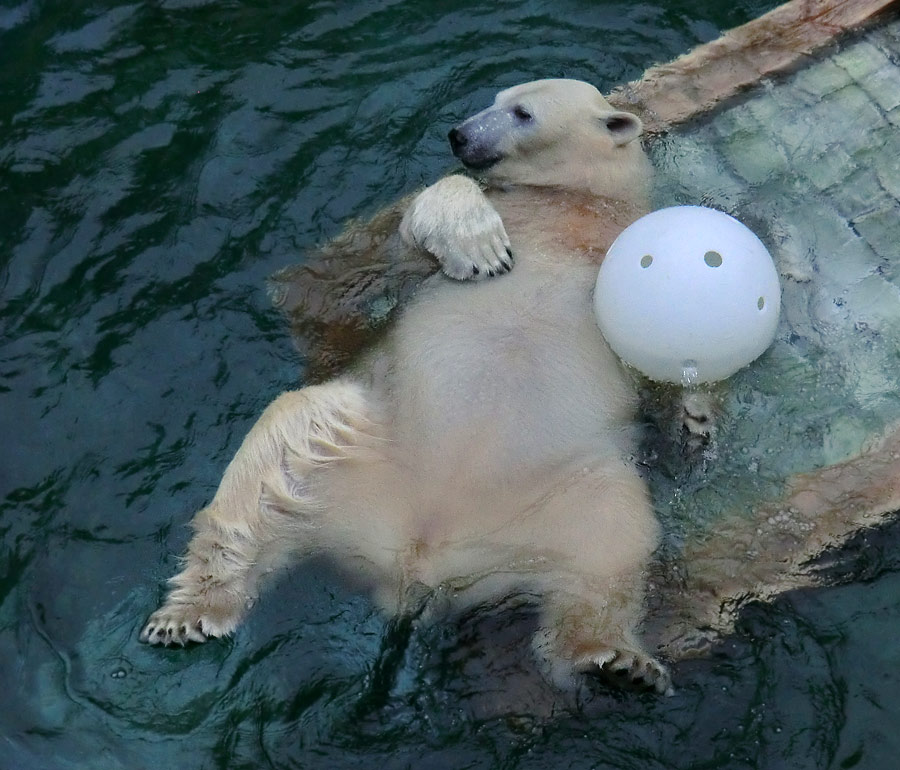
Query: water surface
{"type": "Point", "coordinates": [157, 162]}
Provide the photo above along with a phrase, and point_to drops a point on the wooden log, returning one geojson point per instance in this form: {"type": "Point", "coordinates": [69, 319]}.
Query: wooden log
{"type": "Point", "coordinates": [776, 42]}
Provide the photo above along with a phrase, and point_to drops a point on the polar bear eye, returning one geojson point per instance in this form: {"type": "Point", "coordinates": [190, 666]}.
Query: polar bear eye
{"type": "Point", "coordinates": [522, 114]}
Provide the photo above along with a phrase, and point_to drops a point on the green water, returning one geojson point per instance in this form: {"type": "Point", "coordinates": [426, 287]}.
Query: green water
{"type": "Point", "coordinates": [157, 162]}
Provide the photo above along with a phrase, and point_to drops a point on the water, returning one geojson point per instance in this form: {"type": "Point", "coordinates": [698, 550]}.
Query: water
{"type": "Point", "coordinates": [157, 162]}
{"type": "Point", "coordinates": [689, 373]}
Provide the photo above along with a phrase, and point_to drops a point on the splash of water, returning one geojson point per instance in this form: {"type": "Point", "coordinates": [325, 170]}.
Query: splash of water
{"type": "Point", "coordinates": [689, 373]}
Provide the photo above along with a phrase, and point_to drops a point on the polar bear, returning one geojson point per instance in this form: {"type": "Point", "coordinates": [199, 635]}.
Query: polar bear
{"type": "Point", "coordinates": [486, 445]}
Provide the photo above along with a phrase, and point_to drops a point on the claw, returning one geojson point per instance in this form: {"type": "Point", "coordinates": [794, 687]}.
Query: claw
{"type": "Point", "coordinates": [637, 667]}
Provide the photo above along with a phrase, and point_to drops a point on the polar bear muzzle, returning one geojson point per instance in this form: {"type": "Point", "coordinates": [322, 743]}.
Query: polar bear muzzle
{"type": "Point", "coordinates": [478, 141]}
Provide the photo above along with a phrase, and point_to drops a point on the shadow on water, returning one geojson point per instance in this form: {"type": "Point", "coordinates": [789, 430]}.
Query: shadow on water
{"type": "Point", "coordinates": [157, 162]}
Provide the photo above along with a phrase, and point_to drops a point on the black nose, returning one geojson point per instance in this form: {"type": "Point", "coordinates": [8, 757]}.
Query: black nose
{"type": "Point", "coordinates": [457, 140]}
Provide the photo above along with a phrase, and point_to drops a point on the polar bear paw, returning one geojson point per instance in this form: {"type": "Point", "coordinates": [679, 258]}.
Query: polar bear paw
{"type": "Point", "coordinates": [182, 623]}
{"type": "Point", "coordinates": [698, 412]}
{"type": "Point", "coordinates": [454, 221]}
{"type": "Point", "coordinates": [638, 667]}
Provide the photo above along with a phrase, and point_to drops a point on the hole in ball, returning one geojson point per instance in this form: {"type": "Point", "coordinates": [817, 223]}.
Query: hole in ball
{"type": "Point", "coordinates": [712, 258]}
{"type": "Point", "coordinates": [646, 260]}
{"type": "Point", "coordinates": [761, 303]}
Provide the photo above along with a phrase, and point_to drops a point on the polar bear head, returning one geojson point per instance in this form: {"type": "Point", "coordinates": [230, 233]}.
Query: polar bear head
{"type": "Point", "coordinates": [559, 133]}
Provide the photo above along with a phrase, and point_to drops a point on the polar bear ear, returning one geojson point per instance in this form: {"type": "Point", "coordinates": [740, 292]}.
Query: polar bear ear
{"type": "Point", "coordinates": [623, 127]}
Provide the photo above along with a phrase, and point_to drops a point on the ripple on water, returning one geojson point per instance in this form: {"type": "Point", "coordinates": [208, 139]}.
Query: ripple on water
{"type": "Point", "coordinates": [158, 161]}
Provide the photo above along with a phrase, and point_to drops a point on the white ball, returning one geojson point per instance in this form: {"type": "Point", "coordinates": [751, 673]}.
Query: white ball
{"type": "Point", "coordinates": [687, 294]}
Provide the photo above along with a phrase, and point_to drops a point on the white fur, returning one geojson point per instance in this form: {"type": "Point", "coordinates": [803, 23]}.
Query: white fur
{"type": "Point", "coordinates": [486, 445]}
{"type": "Point", "coordinates": [472, 244]}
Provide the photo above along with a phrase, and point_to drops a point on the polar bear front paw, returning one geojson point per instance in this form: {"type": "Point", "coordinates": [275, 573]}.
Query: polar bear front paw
{"type": "Point", "coordinates": [454, 221]}
{"type": "Point", "coordinates": [183, 623]}
{"type": "Point", "coordinates": [638, 667]}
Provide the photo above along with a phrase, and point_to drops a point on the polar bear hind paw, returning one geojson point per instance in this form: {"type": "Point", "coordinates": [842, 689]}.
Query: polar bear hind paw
{"type": "Point", "coordinates": [638, 667]}
{"type": "Point", "coordinates": [183, 623]}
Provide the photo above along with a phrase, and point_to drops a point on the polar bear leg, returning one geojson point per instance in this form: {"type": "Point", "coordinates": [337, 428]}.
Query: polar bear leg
{"type": "Point", "coordinates": [453, 220]}
{"type": "Point", "coordinates": [596, 634]}
{"type": "Point", "coordinates": [262, 511]}
{"type": "Point", "coordinates": [599, 524]}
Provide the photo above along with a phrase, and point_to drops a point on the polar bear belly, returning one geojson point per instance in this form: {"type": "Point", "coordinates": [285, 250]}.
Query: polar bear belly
{"type": "Point", "coordinates": [504, 378]}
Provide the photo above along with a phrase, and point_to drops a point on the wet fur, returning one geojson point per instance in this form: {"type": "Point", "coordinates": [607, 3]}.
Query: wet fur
{"type": "Point", "coordinates": [486, 444]}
